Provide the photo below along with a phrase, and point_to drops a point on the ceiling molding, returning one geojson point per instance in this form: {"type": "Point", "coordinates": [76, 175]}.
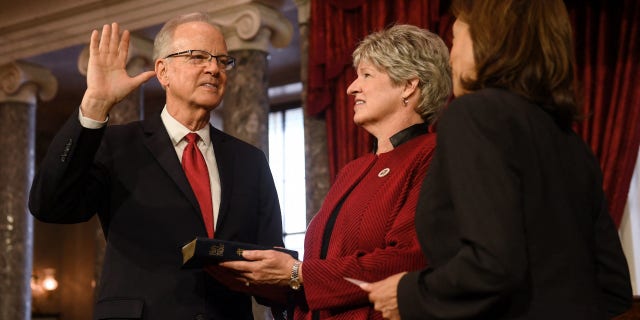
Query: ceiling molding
{"type": "Point", "coordinates": [70, 23]}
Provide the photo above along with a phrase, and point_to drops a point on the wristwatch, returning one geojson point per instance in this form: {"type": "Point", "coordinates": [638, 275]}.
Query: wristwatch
{"type": "Point", "coordinates": [294, 282]}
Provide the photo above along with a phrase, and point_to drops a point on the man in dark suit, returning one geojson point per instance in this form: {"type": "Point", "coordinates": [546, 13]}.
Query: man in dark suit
{"type": "Point", "coordinates": [132, 176]}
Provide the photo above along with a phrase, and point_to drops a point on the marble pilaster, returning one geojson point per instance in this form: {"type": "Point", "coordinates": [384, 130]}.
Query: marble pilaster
{"type": "Point", "coordinates": [315, 128]}
{"type": "Point", "coordinates": [20, 85]}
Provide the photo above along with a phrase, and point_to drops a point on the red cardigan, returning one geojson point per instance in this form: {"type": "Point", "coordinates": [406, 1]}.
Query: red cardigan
{"type": "Point", "coordinates": [374, 234]}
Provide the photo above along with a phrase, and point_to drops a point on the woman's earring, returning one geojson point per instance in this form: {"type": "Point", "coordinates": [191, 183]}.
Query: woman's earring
{"type": "Point", "coordinates": [405, 101]}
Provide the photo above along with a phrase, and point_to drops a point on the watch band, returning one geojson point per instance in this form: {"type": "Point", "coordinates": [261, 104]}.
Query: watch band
{"type": "Point", "coordinates": [294, 282]}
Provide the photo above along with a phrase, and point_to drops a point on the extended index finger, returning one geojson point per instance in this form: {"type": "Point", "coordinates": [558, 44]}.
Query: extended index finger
{"type": "Point", "coordinates": [254, 254]}
{"type": "Point", "coordinates": [123, 47]}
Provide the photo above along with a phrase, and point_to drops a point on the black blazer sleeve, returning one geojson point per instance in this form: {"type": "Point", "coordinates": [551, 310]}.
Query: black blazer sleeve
{"type": "Point", "coordinates": [68, 185]}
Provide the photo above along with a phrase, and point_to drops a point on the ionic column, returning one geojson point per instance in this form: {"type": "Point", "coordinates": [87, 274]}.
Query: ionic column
{"type": "Point", "coordinates": [249, 29]}
{"type": "Point", "coordinates": [20, 86]}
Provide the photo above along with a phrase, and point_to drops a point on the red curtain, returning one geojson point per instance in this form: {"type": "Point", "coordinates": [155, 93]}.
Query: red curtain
{"type": "Point", "coordinates": [336, 29]}
{"type": "Point", "coordinates": [607, 40]}
{"type": "Point", "coordinates": [607, 52]}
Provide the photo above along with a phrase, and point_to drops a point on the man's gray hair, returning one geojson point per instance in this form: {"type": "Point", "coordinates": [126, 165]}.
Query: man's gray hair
{"type": "Point", "coordinates": [164, 38]}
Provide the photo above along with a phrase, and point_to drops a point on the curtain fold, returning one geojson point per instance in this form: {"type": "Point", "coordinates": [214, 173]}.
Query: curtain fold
{"type": "Point", "coordinates": [336, 30]}
{"type": "Point", "coordinates": [607, 43]}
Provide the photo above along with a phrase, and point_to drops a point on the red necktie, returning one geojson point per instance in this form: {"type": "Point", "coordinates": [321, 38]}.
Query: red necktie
{"type": "Point", "coordinates": [198, 175]}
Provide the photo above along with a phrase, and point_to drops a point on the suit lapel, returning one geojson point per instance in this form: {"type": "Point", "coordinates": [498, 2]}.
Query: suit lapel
{"type": "Point", "coordinates": [158, 142]}
{"type": "Point", "coordinates": [225, 161]}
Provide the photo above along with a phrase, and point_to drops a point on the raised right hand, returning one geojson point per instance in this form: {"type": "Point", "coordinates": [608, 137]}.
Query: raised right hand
{"type": "Point", "coordinates": [107, 79]}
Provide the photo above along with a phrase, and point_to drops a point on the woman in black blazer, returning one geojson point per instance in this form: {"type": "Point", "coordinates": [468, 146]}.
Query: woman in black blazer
{"type": "Point", "coordinates": [512, 216]}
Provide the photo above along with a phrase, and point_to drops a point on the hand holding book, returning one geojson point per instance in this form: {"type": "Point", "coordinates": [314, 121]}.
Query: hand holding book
{"type": "Point", "coordinates": [242, 267]}
{"type": "Point", "coordinates": [268, 267]}
{"type": "Point", "coordinates": [206, 251]}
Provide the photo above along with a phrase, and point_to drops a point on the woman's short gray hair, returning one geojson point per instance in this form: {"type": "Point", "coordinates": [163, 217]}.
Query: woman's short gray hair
{"type": "Point", "coordinates": [406, 52]}
{"type": "Point", "coordinates": [164, 38]}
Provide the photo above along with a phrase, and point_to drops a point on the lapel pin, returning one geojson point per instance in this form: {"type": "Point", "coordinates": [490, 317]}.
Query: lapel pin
{"type": "Point", "coordinates": [383, 172]}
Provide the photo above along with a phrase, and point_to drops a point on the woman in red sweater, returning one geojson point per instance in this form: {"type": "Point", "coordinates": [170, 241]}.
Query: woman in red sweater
{"type": "Point", "coordinates": [365, 227]}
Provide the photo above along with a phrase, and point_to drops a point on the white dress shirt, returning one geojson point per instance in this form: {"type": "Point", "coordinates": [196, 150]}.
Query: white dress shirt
{"type": "Point", "coordinates": [177, 133]}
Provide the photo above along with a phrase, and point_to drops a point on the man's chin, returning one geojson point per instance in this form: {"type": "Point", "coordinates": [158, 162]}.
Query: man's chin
{"type": "Point", "coordinates": [209, 104]}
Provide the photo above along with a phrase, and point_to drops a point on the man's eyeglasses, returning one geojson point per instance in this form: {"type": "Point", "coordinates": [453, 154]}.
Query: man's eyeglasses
{"type": "Point", "coordinates": [201, 58]}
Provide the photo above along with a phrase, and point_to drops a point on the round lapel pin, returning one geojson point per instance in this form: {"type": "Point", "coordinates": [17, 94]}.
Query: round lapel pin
{"type": "Point", "coordinates": [384, 172]}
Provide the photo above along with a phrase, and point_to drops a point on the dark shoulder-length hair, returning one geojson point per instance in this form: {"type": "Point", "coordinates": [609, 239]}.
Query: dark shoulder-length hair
{"type": "Point", "coordinates": [524, 46]}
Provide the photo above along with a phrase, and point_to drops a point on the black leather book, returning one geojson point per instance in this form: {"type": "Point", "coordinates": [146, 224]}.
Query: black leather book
{"type": "Point", "coordinates": [203, 251]}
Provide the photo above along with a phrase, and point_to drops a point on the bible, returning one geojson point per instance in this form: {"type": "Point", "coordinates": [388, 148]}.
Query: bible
{"type": "Point", "coordinates": [205, 251]}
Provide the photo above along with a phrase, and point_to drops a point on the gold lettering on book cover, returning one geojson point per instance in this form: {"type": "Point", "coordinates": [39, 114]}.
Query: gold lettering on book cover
{"type": "Point", "coordinates": [216, 250]}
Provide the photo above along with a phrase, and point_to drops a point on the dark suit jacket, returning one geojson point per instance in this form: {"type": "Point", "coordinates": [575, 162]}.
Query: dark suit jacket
{"type": "Point", "coordinates": [513, 221]}
{"type": "Point", "coordinates": [131, 177]}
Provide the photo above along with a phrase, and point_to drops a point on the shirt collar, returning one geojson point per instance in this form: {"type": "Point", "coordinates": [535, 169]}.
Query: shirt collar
{"type": "Point", "coordinates": [405, 135]}
{"type": "Point", "coordinates": [177, 131]}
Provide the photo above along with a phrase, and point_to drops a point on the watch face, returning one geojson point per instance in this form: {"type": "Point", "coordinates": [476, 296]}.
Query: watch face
{"type": "Point", "coordinates": [294, 284]}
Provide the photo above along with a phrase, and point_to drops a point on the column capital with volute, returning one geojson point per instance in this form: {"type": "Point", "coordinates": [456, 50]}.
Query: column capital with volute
{"type": "Point", "coordinates": [254, 26]}
{"type": "Point", "coordinates": [24, 82]}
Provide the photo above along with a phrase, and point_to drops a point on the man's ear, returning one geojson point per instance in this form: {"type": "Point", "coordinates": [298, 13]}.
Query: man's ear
{"type": "Point", "coordinates": [161, 72]}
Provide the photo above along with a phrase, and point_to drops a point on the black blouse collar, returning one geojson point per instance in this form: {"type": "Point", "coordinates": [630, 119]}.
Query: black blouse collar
{"type": "Point", "coordinates": [404, 135]}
